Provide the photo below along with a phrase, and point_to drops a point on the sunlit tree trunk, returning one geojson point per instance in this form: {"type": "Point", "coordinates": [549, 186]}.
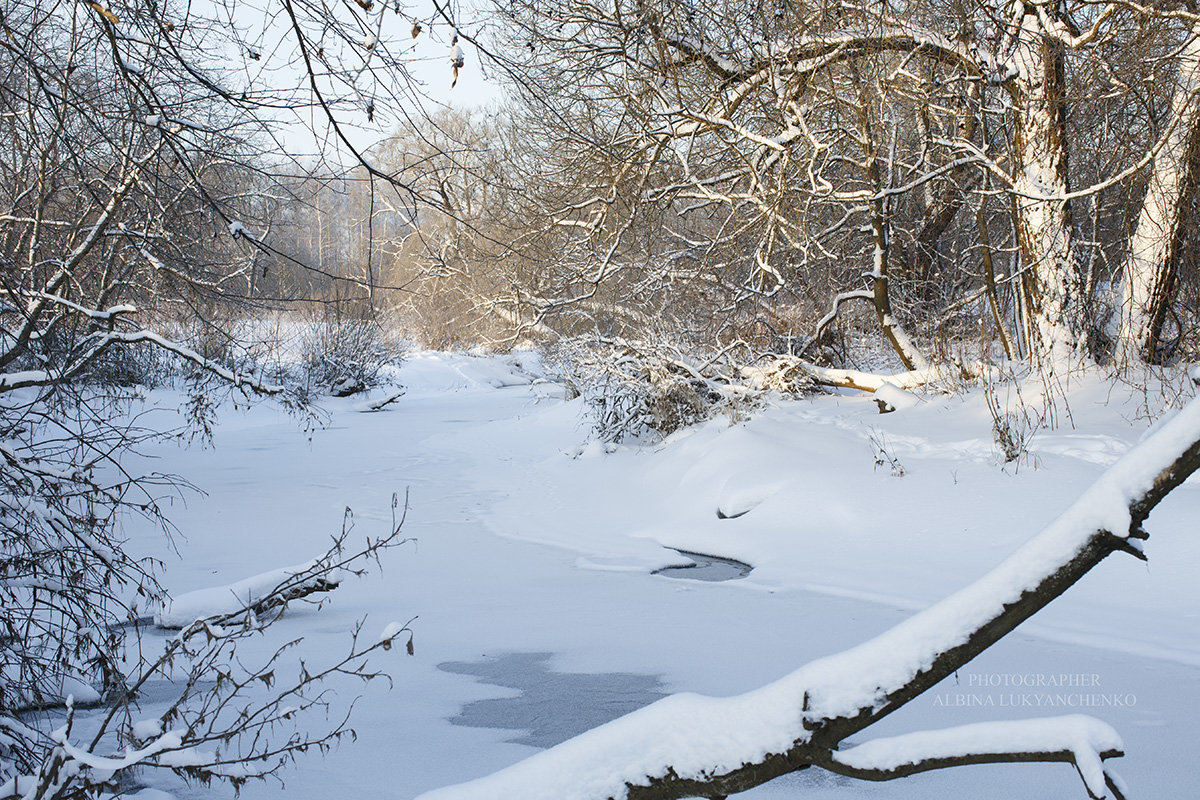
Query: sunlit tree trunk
{"type": "Point", "coordinates": [1051, 281]}
{"type": "Point", "coordinates": [1150, 264]}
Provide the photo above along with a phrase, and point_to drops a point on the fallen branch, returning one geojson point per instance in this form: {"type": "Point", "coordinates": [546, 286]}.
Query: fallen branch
{"type": "Point", "coordinates": [257, 595]}
{"type": "Point", "coordinates": [270, 592]}
{"type": "Point", "coordinates": [382, 402]}
{"type": "Point", "coordinates": [785, 370]}
{"type": "Point", "coordinates": [1077, 739]}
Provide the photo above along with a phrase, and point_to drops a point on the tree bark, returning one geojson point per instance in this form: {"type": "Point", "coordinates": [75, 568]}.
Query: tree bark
{"type": "Point", "coordinates": [1051, 281]}
{"type": "Point", "coordinates": [1151, 263]}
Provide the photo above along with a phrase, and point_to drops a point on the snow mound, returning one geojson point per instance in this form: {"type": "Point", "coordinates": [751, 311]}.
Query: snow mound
{"type": "Point", "coordinates": [891, 397]}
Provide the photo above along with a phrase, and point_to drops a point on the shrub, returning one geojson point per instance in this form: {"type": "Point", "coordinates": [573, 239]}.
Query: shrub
{"type": "Point", "coordinates": [344, 349]}
{"type": "Point", "coordinates": [648, 390]}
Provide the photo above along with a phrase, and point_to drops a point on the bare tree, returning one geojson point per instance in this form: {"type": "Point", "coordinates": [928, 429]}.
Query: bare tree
{"type": "Point", "coordinates": [139, 142]}
{"type": "Point", "coordinates": [1154, 248]}
{"type": "Point", "coordinates": [767, 158]}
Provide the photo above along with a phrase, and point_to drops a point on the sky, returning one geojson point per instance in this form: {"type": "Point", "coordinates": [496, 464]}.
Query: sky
{"type": "Point", "coordinates": [427, 58]}
{"type": "Point", "coordinates": [260, 54]}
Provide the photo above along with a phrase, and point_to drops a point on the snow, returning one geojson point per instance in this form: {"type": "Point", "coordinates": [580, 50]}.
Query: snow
{"type": "Point", "coordinates": [150, 794]}
{"type": "Point", "coordinates": [77, 691]}
{"type": "Point", "coordinates": [157, 748]}
{"type": "Point", "coordinates": [693, 736]}
{"type": "Point", "coordinates": [894, 397]}
{"type": "Point", "coordinates": [524, 548]}
{"type": "Point", "coordinates": [12, 380]}
{"type": "Point", "coordinates": [147, 729]}
{"type": "Point", "coordinates": [391, 631]}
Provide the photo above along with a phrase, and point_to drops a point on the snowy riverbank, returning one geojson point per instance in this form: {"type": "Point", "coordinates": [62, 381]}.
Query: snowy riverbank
{"type": "Point", "coordinates": [530, 541]}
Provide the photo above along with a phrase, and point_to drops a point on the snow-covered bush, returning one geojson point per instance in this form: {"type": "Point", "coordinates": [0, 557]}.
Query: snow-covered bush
{"type": "Point", "coordinates": [648, 390]}
{"type": "Point", "coordinates": [344, 348]}
{"type": "Point", "coordinates": [250, 343]}
{"type": "Point", "coordinates": [633, 390]}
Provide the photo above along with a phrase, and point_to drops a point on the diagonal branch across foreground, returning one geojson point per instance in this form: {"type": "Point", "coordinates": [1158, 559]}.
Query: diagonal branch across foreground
{"type": "Point", "coordinates": [693, 746]}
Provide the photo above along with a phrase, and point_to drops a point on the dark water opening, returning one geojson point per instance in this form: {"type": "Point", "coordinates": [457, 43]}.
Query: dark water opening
{"type": "Point", "coordinates": [553, 706]}
{"type": "Point", "coordinates": [707, 568]}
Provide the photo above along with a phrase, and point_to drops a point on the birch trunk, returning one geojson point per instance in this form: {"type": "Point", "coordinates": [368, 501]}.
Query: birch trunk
{"type": "Point", "coordinates": [1053, 291]}
{"type": "Point", "coordinates": [1153, 248]}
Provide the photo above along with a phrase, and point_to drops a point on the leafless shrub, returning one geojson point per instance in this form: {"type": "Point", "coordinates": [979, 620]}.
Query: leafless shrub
{"type": "Point", "coordinates": [632, 390]}
{"type": "Point", "coordinates": [230, 719]}
{"type": "Point", "coordinates": [127, 366]}
{"type": "Point", "coordinates": [650, 389]}
{"type": "Point", "coordinates": [345, 346]}
{"type": "Point", "coordinates": [884, 457]}
{"type": "Point", "coordinates": [1014, 424]}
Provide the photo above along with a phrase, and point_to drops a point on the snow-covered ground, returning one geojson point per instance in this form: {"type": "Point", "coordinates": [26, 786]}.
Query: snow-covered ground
{"type": "Point", "coordinates": [532, 541]}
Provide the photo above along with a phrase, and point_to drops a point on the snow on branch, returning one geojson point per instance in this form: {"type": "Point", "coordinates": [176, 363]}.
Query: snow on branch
{"type": "Point", "coordinates": [785, 369]}
{"type": "Point", "coordinates": [106, 315]}
{"type": "Point", "coordinates": [248, 599]}
{"type": "Point", "coordinates": [256, 595]}
{"type": "Point", "coordinates": [1078, 739]}
{"type": "Point", "coordinates": [236, 379]}
{"type": "Point", "coordinates": [95, 344]}
{"type": "Point", "coordinates": [692, 746]}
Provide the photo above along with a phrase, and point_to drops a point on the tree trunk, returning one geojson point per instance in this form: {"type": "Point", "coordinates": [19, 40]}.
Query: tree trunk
{"type": "Point", "coordinates": [1053, 291]}
{"type": "Point", "coordinates": [989, 272]}
{"type": "Point", "coordinates": [1150, 264]}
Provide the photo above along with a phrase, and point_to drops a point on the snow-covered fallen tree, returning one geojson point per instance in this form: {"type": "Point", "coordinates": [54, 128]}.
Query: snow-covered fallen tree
{"type": "Point", "coordinates": [647, 389]}
{"type": "Point", "coordinates": [250, 597]}
{"type": "Point", "coordinates": [693, 746]}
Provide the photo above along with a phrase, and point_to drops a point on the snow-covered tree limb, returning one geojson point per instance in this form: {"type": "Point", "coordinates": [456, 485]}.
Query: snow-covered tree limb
{"type": "Point", "coordinates": [779, 369]}
{"type": "Point", "coordinates": [1077, 739]}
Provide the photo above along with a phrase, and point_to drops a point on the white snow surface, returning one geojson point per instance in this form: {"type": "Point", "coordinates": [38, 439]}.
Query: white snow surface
{"type": "Point", "coordinates": [895, 397]}
{"type": "Point", "coordinates": [524, 546]}
{"type": "Point", "coordinates": [695, 736]}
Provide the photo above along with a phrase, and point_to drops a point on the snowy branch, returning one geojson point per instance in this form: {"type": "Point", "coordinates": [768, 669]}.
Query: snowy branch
{"type": "Point", "coordinates": [1079, 740]}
